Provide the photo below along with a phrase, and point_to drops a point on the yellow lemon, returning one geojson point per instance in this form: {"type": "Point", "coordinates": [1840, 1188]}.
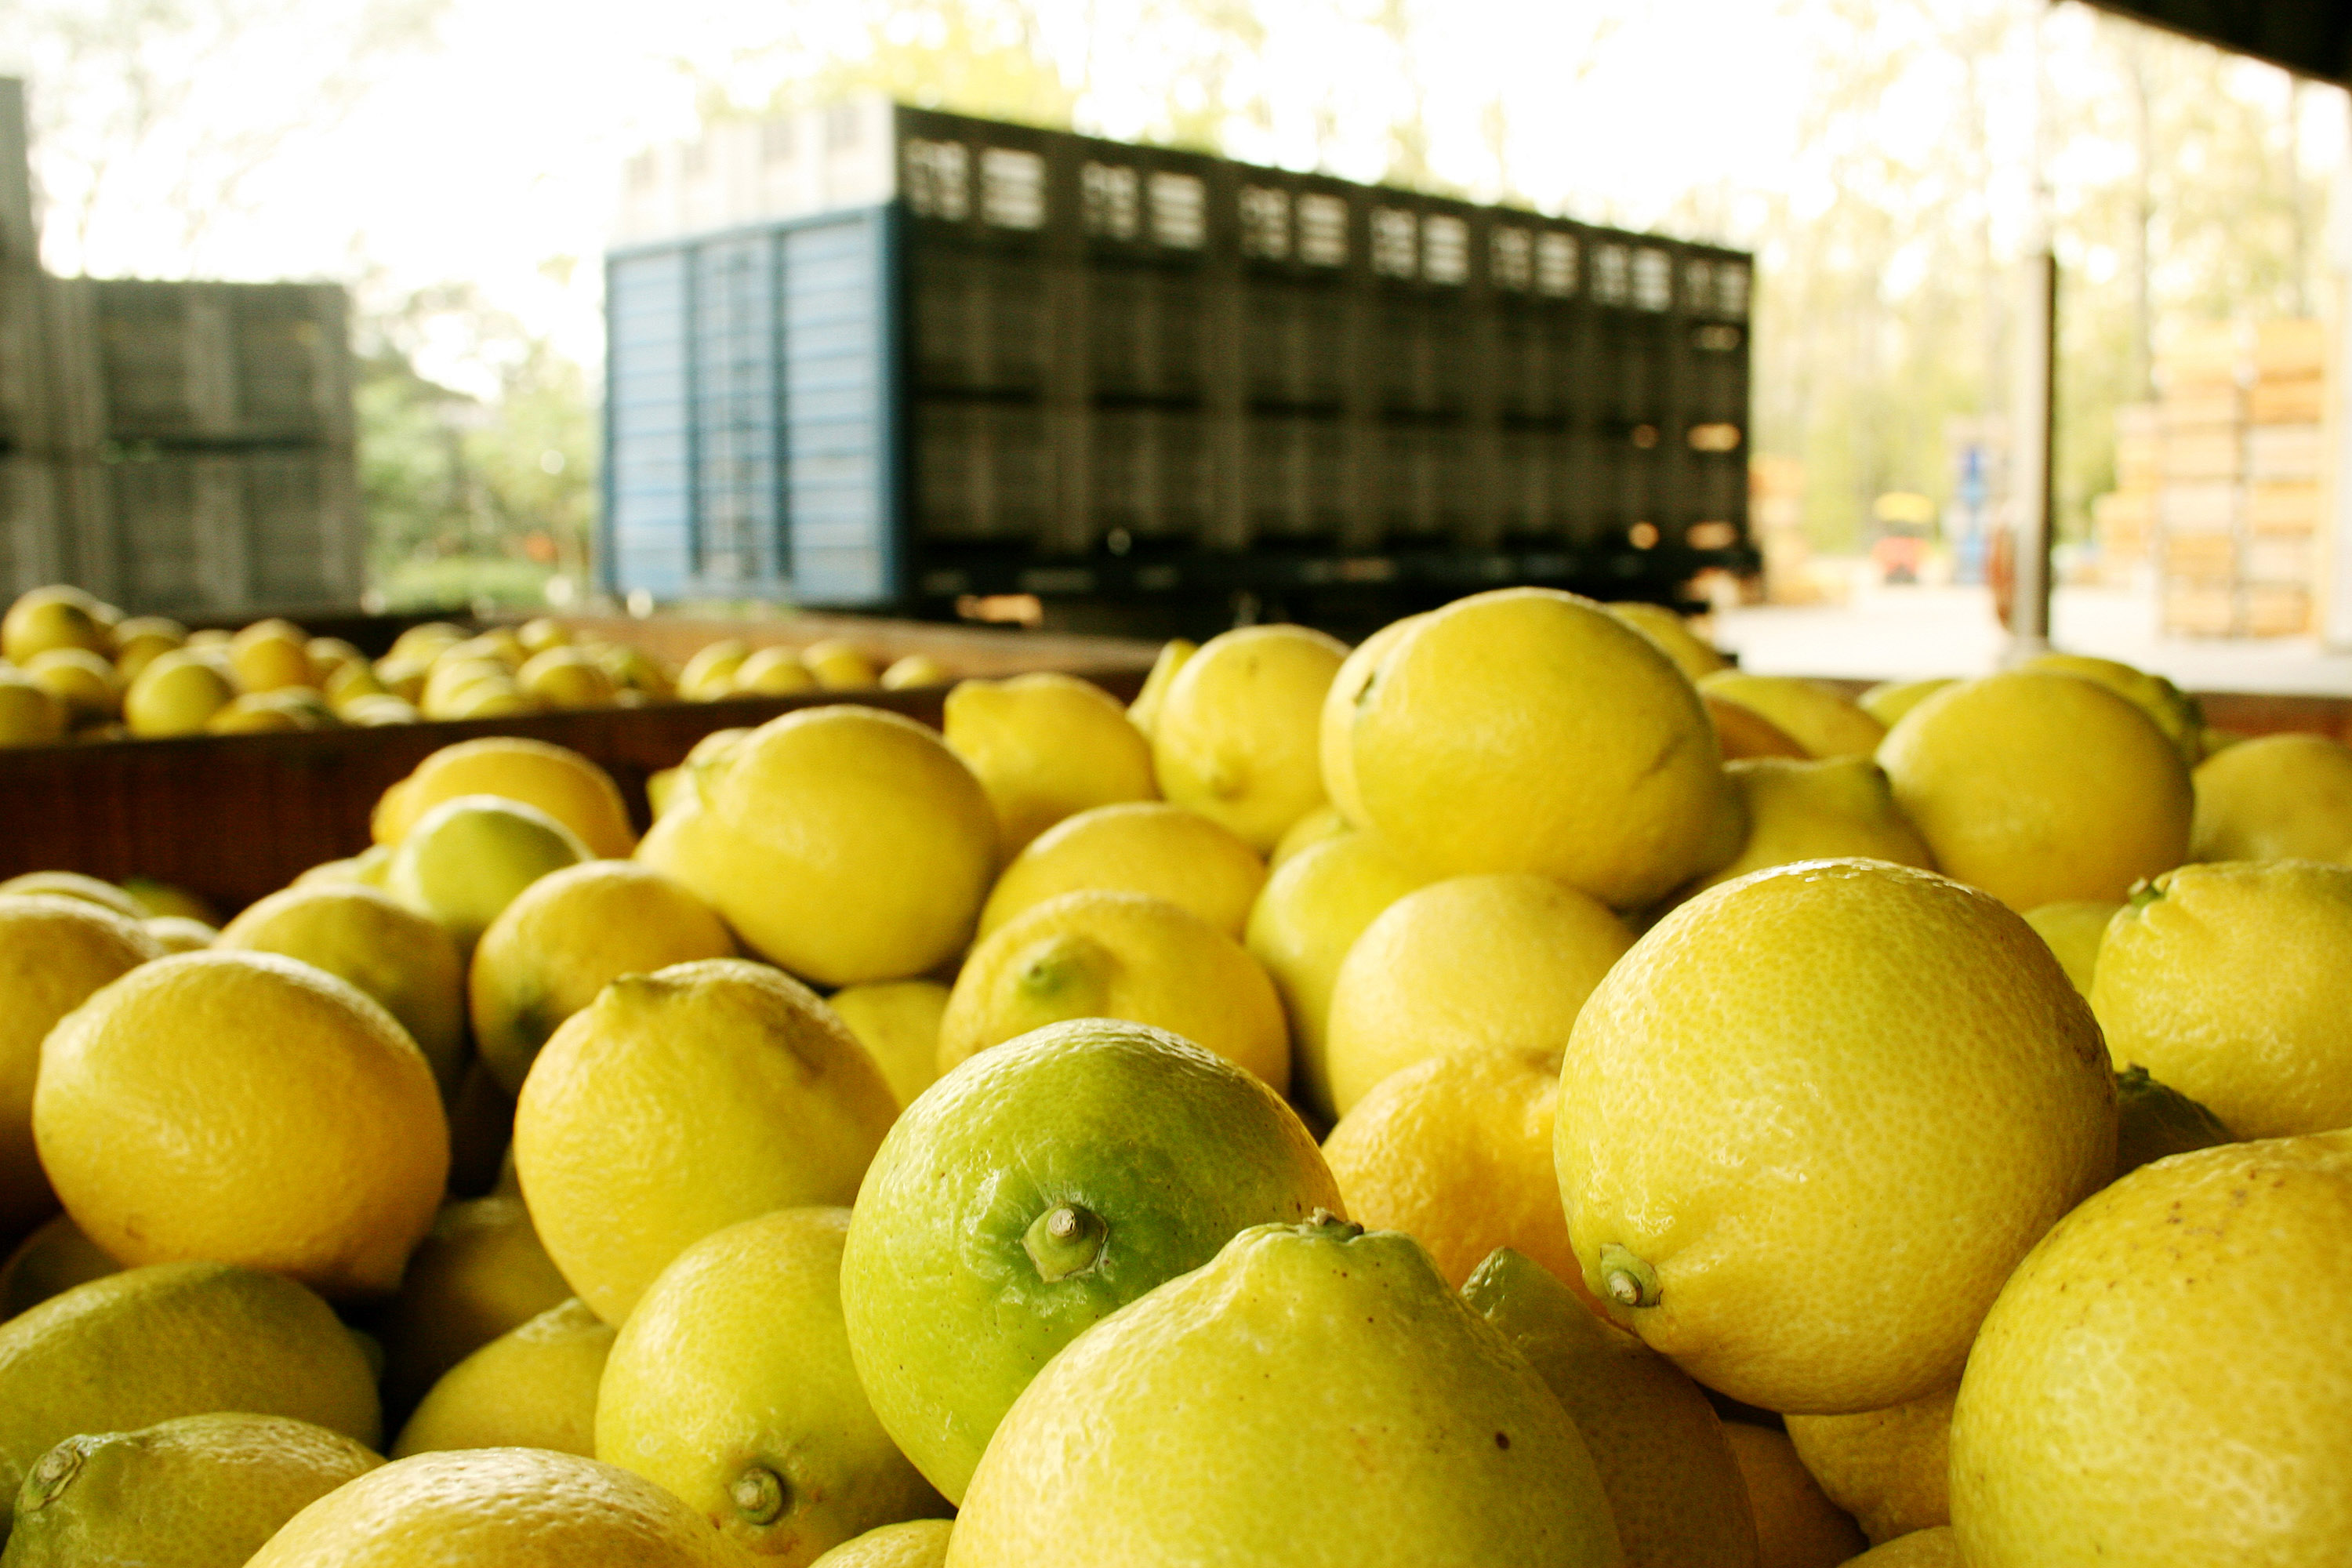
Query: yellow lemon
{"type": "Point", "coordinates": [2280, 798]}
{"type": "Point", "coordinates": [839, 666]}
{"type": "Point", "coordinates": [564, 939]}
{"type": "Point", "coordinates": [1236, 734]}
{"type": "Point", "coordinates": [201, 1491]}
{"type": "Point", "coordinates": [74, 886]}
{"type": "Point", "coordinates": [2075, 929]}
{"type": "Point", "coordinates": [395, 954]}
{"type": "Point", "coordinates": [1741, 732]}
{"type": "Point", "coordinates": [1667, 1469]}
{"type": "Point", "coordinates": [1118, 956]}
{"type": "Point", "coordinates": [425, 640]}
{"type": "Point", "coordinates": [1889, 1468]}
{"type": "Point", "coordinates": [486, 699]}
{"type": "Point", "coordinates": [1796, 1525]}
{"type": "Point", "coordinates": [405, 679]}
{"type": "Point", "coordinates": [268, 655]}
{"type": "Point", "coordinates": [1145, 710]}
{"type": "Point", "coordinates": [2040, 788]}
{"type": "Point", "coordinates": [467, 858]}
{"type": "Point", "coordinates": [567, 678]}
{"type": "Point", "coordinates": [1310, 913]}
{"type": "Point", "coordinates": [374, 711]}
{"type": "Point", "coordinates": [916, 1543]}
{"type": "Point", "coordinates": [542, 632]}
{"type": "Point", "coordinates": [1455, 1152]}
{"type": "Point", "coordinates": [329, 654]}
{"type": "Point", "coordinates": [1045, 747]}
{"type": "Point", "coordinates": [532, 1387]}
{"type": "Point", "coordinates": [731, 1386]}
{"type": "Point", "coordinates": [453, 677]}
{"type": "Point", "coordinates": [176, 934]}
{"type": "Point", "coordinates": [1334, 724]}
{"type": "Point", "coordinates": [1903, 1183]}
{"type": "Point", "coordinates": [1325, 821]}
{"type": "Point", "coordinates": [1139, 847]}
{"type": "Point", "coordinates": [2232, 984]}
{"type": "Point", "coordinates": [1938, 1548]}
{"type": "Point", "coordinates": [45, 618]}
{"type": "Point", "coordinates": [916, 669]}
{"type": "Point", "coordinates": [1530, 731]}
{"type": "Point", "coordinates": [261, 713]}
{"type": "Point", "coordinates": [177, 1339]}
{"type": "Point", "coordinates": [157, 898]}
{"type": "Point", "coordinates": [2163, 1380]}
{"type": "Point", "coordinates": [1463, 967]}
{"type": "Point", "coordinates": [55, 954]}
{"type": "Point", "coordinates": [2154, 1121]}
{"type": "Point", "coordinates": [1222, 1376]}
{"type": "Point", "coordinates": [1817, 810]}
{"type": "Point", "coordinates": [1691, 654]}
{"type": "Point", "coordinates": [634, 669]}
{"type": "Point", "coordinates": [558, 780]}
{"type": "Point", "coordinates": [1816, 717]}
{"type": "Point", "coordinates": [478, 1273]}
{"type": "Point", "coordinates": [844, 843]}
{"type": "Point", "coordinates": [897, 1022]}
{"type": "Point", "coordinates": [29, 716]}
{"type": "Point", "coordinates": [710, 673]}
{"type": "Point", "coordinates": [246, 1108]}
{"type": "Point", "coordinates": [52, 1260]}
{"type": "Point", "coordinates": [774, 672]}
{"type": "Point", "coordinates": [688, 1099]}
{"type": "Point", "coordinates": [517, 1507]}
{"type": "Point", "coordinates": [2166, 707]}
{"type": "Point", "coordinates": [1890, 700]}
{"type": "Point", "coordinates": [80, 679]}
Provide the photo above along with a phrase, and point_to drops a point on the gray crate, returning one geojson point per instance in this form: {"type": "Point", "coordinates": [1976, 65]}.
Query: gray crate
{"type": "Point", "coordinates": [229, 532]}
{"type": "Point", "coordinates": [32, 533]}
{"type": "Point", "coordinates": [20, 235]}
{"type": "Point", "coordinates": [219, 362]}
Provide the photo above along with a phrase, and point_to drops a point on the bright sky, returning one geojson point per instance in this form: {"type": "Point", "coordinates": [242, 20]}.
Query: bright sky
{"type": "Point", "coordinates": [484, 157]}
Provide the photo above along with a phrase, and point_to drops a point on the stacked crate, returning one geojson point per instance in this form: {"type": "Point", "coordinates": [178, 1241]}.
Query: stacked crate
{"type": "Point", "coordinates": [2286, 447]}
{"type": "Point", "coordinates": [2200, 501]}
{"type": "Point", "coordinates": [2124, 521]}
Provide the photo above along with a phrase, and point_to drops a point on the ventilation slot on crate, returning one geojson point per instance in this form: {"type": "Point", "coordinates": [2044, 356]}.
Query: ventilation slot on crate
{"type": "Point", "coordinates": [939, 179]}
{"type": "Point", "coordinates": [1392, 242]}
{"type": "Point", "coordinates": [1011, 188]}
{"type": "Point", "coordinates": [1107, 204]}
{"type": "Point", "coordinates": [1180, 211]}
{"type": "Point", "coordinates": [1323, 230]}
{"type": "Point", "coordinates": [1556, 268]}
{"type": "Point", "coordinates": [1514, 260]}
{"type": "Point", "coordinates": [1445, 250]}
{"type": "Point", "coordinates": [1610, 283]}
{"type": "Point", "coordinates": [1265, 223]}
{"type": "Point", "coordinates": [1654, 279]}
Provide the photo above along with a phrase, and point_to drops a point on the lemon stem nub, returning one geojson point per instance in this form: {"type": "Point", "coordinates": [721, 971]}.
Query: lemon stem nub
{"type": "Point", "coordinates": [1064, 1240]}
{"type": "Point", "coordinates": [758, 1495]}
{"type": "Point", "coordinates": [1627, 1281]}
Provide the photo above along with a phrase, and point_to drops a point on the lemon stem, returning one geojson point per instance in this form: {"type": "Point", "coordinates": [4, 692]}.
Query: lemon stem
{"type": "Point", "coordinates": [1627, 1278]}
{"type": "Point", "coordinates": [758, 1494]}
{"type": "Point", "coordinates": [1064, 1240]}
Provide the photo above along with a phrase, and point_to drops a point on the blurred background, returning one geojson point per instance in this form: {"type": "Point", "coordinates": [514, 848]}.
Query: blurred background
{"type": "Point", "coordinates": [461, 166]}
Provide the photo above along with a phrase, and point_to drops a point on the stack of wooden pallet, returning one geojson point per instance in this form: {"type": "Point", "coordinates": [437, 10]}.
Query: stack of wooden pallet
{"type": "Point", "coordinates": [2201, 505]}
{"type": "Point", "coordinates": [2287, 471]}
{"type": "Point", "coordinates": [2124, 521]}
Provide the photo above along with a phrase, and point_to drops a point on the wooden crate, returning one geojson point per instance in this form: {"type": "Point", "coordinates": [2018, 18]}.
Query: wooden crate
{"type": "Point", "coordinates": [2302, 402]}
{"type": "Point", "coordinates": [2200, 558]}
{"type": "Point", "coordinates": [2280, 560]}
{"type": "Point", "coordinates": [2200, 354]}
{"type": "Point", "coordinates": [2200, 611]}
{"type": "Point", "coordinates": [2277, 452]}
{"type": "Point", "coordinates": [2208, 506]}
{"type": "Point", "coordinates": [2285, 509]}
{"type": "Point", "coordinates": [2276, 611]}
{"type": "Point", "coordinates": [2204, 452]}
{"type": "Point", "coordinates": [2290, 350]}
{"type": "Point", "coordinates": [2200, 411]}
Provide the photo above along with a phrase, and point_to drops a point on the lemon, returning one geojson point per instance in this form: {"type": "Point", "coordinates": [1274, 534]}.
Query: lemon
{"type": "Point", "coordinates": [405, 679]}
{"type": "Point", "coordinates": [1144, 711]}
{"type": "Point", "coordinates": [1236, 735]}
{"type": "Point", "coordinates": [1312, 911]}
{"type": "Point", "coordinates": [916, 669]}
{"type": "Point", "coordinates": [1890, 1469]}
{"type": "Point", "coordinates": [1742, 734]}
{"type": "Point", "coordinates": [567, 678]}
{"type": "Point", "coordinates": [177, 1339]}
{"type": "Point", "coordinates": [1455, 1152]}
{"type": "Point", "coordinates": [541, 633]}
{"type": "Point", "coordinates": [1045, 747]}
{"type": "Point", "coordinates": [517, 1507]}
{"type": "Point", "coordinates": [45, 618]}
{"type": "Point", "coordinates": [156, 899]}
{"type": "Point", "coordinates": [327, 655]}
{"type": "Point", "coordinates": [675, 784]}
{"type": "Point", "coordinates": [348, 683]}
{"type": "Point", "coordinates": [1662, 1458]}
{"type": "Point", "coordinates": [1032, 1191]}
{"type": "Point", "coordinates": [212, 637]}
{"type": "Point", "coordinates": [1526, 730]}
{"type": "Point", "coordinates": [2040, 788]}
{"type": "Point", "coordinates": [395, 954]}
{"type": "Point", "coordinates": [897, 1022]}
{"type": "Point", "coordinates": [29, 716]}
{"type": "Point", "coordinates": [1467, 966]}
{"type": "Point", "coordinates": [1139, 847]}
{"type": "Point", "coordinates": [1118, 956]}
{"type": "Point", "coordinates": [917, 1543]}
{"type": "Point", "coordinates": [140, 640]}
{"type": "Point", "coordinates": [74, 886]}
{"type": "Point", "coordinates": [478, 1273]}
{"type": "Point", "coordinates": [2074, 931]}
{"type": "Point", "coordinates": [1890, 700]}
{"type": "Point", "coordinates": [201, 1491]}
{"type": "Point", "coordinates": [564, 939]}
{"type": "Point", "coordinates": [839, 666]}
{"type": "Point", "coordinates": [1750, 1032]}
{"type": "Point", "coordinates": [1691, 654]}
{"type": "Point", "coordinates": [709, 675]}
{"type": "Point", "coordinates": [1938, 1548]}
{"type": "Point", "coordinates": [1335, 723]}
{"type": "Point", "coordinates": [774, 672]}
{"type": "Point", "coordinates": [269, 655]}
{"type": "Point", "coordinates": [174, 933]}
{"type": "Point", "coordinates": [80, 679]}
{"type": "Point", "coordinates": [1223, 1377]}
{"type": "Point", "coordinates": [532, 1387]}
{"type": "Point", "coordinates": [378, 711]}
{"type": "Point", "coordinates": [2281, 797]}
{"type": "Point", "coordinates": [52, 1260]}
{"type": "Point", "coordinates": [558, 780]}
{"type": "Point", "coordinates": [55, 954]}
{"type": "Point", "coordinates": [635, 670]}
{"type": "Point", "coordinates": [1817, 810]}
{"type": "Point", "coordinates": [458, 686]}
{"type": "Point", "coordinates": [2170, 710]}
{"type": "Point", "coordinates": [731, 1386]}
{"type": "Point", "coordinates": [1796, 1525]}
{"type": "Point", "coordinates": [687, 1099]}
{"type": "Point", "coordinates": [467, 858]}
{"type": "Point", "coordinates": [278, 712]}
{"type": "Point", "coordinates": [1816, 717]}
{"type": "Point", "coordinates": [844, 843]}
{"type": "Point", "coordinates": [2163, 1380]}
{"type": "Point", "coordinates": [2232, 984]}
{"type": "Point", "coordinates": [425, 639]}
{"type": "Point", "coordinates": [1326, 821]}
{"type": "Point", "coordinates": [2153, 1120]}
{"type": "Point", "coordinates": [499, 644]}
{"type": "Point", "coordinates": [486, 699]}
{"type": "Point", "coordinates": [245, 1108]}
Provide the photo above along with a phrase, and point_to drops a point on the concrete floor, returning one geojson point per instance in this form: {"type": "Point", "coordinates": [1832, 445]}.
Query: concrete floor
{"type": "Point", "coordinates": [1902, 633]}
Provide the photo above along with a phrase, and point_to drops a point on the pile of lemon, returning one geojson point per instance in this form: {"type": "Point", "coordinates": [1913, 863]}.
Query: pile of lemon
{"type": "Point", "coordinates": [71, 666]}
{"type": "Point", "coordinates": [1516, 1092]}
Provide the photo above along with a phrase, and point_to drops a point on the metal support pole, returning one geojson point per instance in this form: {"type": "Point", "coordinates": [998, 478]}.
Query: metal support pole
{"type": "Point", "coordinates": [2031, 477]}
